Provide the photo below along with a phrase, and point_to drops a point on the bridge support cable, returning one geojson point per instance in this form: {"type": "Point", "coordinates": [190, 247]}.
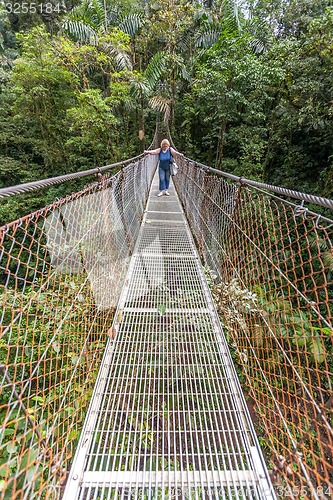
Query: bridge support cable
{"type": "Point", "coordinates": [167, 417]}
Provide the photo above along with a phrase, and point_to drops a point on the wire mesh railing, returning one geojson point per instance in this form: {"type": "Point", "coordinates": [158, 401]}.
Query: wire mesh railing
{"type": "Point", "coordinates": [62, 270]}
{"type": "Point", "coordinates": [167, 418]}
{"type": "Point", "coordinates": [271, 267]}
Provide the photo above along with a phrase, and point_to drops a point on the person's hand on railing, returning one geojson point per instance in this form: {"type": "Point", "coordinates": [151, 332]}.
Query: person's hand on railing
{"type": "Point", "coordinates": [152, 151]}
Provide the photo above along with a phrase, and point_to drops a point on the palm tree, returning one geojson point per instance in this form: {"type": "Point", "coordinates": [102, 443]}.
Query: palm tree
{"type": "Point", "coordinates": [91, 19]}
{"type": "Point", "coordinates": [156, 84]}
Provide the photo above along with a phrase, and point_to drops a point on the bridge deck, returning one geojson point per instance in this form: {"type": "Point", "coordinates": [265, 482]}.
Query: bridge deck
{"type": "Point", "coordinates": [167, 417]}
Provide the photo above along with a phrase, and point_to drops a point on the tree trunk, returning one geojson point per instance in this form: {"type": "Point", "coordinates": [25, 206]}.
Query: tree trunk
{"type": "Point", "coordinates": [220, 145]}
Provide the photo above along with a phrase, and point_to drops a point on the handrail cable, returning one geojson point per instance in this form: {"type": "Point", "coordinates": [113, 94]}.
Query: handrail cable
{"type": "Point", "coordinates": [63, 270]}
{"type": "Point", "coordinates": [318, 200]}
{"type": "Point", "coordinates": [31, 186]}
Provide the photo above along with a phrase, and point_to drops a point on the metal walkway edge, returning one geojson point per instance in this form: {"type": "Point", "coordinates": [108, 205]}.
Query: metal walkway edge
{"type": "Point", "coordinates": [167, 418]}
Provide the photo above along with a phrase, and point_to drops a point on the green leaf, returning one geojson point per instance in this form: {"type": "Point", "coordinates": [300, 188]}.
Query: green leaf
{"type": "Point", "coordinates": [6, 432]}
{"type": "Point", "coordinates": [38, 399]}
{"type": "Point", "coordinates": [11, 447]}
{"type": "Point", "coordinates": [161, 309]}
{"type": "Point", "coordinates": [30, 473]}
{"type": "Point", "coordinates": [28, 458]}
{"type": "Point", "coordinates": [72, 434]}
{"type": "Point", "coordinates": [318, 350]}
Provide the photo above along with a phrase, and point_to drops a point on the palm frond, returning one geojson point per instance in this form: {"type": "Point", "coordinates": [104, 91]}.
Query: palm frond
{"type": "Point", "coordinates": [206, 36]}
{"type": "Point", "coordinates": [121, 59]}
{"type": "Point", "coordinates": [155, 68]}
{"type": "Point", "coordinates": [102, 15]}
{"type": "Point", "coordinates": [162, 105]}
{"type": "Point", "coordinates": [198, 55]}
{"type": "Point", "coordinates": [186, 74]}
{"type": "Point", "coordinates": [258, 335]}
{"type": "Point", "coordinates": [2, 47]}
{"type": "Point", "coordinates": [79, 11]}
{"type": "Point", "coordinates": [97, 6]}
{"type": "Point", "coordinates": [202, 14]}
{"type": "Point", "coordinates": [328, 260]}
{"type": "Point", "coordinates": [319, 242]}
{"type": "Point", "coordinates": [80, 30]}
{"type": "Point", "coordinates": [232, 12]}
{"type": "Point", "coordinates": [131, 24]}
{"type": "Point", "coordinates": [236, 15]}
{"type": "Point", "coordinates": [180, 67]}
{"type": "Point", "coordinates": [229, 25]}
{"type": "Point", "coordinates": [261, 38]}
{"type": "Point", "coordinates": [185, 41]}
{"type": "Point", "coordinates": [113, 16]}
{"type": "Point", "coordinates": [140, 87]}
{"type": "Point", "coordinates": [94, 13]}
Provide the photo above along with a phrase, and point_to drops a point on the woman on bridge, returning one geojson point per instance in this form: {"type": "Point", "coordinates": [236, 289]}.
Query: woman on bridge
{"type": "Point", "coordinates": [164, 152]}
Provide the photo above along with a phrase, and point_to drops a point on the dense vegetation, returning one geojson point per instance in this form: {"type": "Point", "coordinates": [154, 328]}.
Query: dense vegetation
{"type": "Point", "coordinates": [245, 88]}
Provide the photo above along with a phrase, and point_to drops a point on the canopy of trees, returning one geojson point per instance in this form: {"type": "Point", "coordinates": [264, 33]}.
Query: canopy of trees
{"type": "Point", "coordinates": [244, 86]}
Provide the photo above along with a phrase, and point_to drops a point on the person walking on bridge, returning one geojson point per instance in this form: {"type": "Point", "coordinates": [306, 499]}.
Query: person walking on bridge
{"type": "Point", "coordinates": [164, 152]}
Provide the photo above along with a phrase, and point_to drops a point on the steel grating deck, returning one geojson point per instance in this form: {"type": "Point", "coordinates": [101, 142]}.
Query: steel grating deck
{"type": "Point", "coordinates": [167, 418]}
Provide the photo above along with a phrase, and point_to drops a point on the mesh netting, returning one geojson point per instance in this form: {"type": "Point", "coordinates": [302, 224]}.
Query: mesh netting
{"type": "Point", "coordinates": [62, 270]}
{"type": "Point", "coordinates": [271, 266]}
{"type": "Point", "coordinates": [167, 419]}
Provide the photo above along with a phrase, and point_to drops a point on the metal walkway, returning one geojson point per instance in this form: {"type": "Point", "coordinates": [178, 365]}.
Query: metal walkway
{"type": "Point", "coordinates": [167, 418]}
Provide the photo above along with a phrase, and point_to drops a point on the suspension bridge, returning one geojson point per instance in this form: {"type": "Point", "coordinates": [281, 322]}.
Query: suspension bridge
{"type": "Point", "coordinates": [173, 347]}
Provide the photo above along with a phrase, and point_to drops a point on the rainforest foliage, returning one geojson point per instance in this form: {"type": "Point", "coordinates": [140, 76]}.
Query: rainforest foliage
{"type": "Point", "coordinates": [245, 87]}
